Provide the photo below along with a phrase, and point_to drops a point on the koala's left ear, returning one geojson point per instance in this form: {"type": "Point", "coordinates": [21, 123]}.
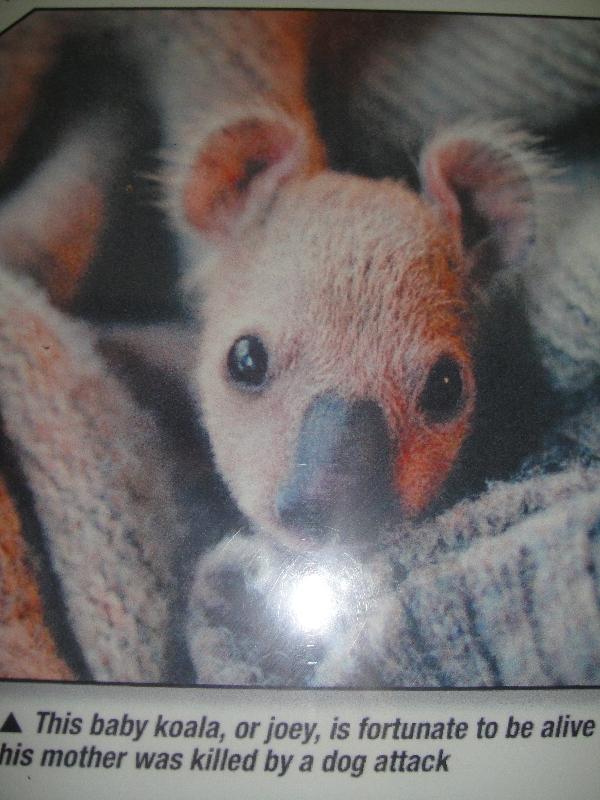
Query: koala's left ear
{"type": "Point", "coordinates": [238, 171]}
{"type": "Point", "coordinates": [483, 180]}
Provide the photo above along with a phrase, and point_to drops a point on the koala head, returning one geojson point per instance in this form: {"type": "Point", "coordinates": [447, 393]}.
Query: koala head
{"type": "Point", "coordinates": [335, 369]}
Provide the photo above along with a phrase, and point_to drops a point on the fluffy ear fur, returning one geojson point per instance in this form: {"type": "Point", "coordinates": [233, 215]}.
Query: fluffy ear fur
{"type": "Point", "coordinates": [483, 178]}
{"type": "Point", "coordinates": [238, 171]}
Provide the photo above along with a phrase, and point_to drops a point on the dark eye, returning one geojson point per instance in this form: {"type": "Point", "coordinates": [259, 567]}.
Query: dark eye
{"type": "Point", "coordinates": [442, 396]}
{"type": "Point", "coordinates": [247, 361]}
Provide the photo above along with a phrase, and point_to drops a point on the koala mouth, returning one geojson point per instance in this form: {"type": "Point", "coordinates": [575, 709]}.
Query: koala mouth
{"type": "Point", "coordinates": [341, 481]}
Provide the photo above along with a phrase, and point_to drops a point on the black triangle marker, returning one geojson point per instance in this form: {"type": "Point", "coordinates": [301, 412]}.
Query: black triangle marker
{"type": "Point", "coordinates": [11, 725]}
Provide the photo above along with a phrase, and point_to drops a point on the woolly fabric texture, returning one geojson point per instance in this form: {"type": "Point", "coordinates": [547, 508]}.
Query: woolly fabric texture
{"type": "Point", "coordinates": [501, 590]}
{"type": "Point", "coordinates": [100, 484]}
{"type": "Point", "coordinates": [26, 647]}
{"type": "Point", "coordinates": [427, 71]}
{"type": "Point", "coordinates": [498, 590]}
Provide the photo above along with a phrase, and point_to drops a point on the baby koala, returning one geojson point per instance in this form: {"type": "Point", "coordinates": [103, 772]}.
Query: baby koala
{"type": "Point", "coordinates": [336, 366]}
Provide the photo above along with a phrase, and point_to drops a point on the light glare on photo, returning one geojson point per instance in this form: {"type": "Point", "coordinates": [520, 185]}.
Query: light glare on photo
{"type": "Point", "coordinates": [312, 602]}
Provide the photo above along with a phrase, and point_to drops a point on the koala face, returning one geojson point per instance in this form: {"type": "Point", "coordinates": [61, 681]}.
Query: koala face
{"type": "Point", "coordinates": [335, 369]}
{"type": "Point", "coordinates": [335, 372]}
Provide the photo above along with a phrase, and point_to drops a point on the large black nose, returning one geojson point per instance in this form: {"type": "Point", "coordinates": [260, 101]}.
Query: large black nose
{"type": "Point", "coordinates": [342, 475]}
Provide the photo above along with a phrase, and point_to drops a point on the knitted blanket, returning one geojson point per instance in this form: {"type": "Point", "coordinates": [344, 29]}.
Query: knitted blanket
{"type": "Point", "coordinates": [88, 463]}
{"type": "Point", "coordinates": [499, 590]}
{"type": "Point", "coordinates": [122, 558]}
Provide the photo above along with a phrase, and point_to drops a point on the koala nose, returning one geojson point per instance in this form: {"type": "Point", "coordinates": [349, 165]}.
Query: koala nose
{"type": "Point", "coordinates": [342, 475]}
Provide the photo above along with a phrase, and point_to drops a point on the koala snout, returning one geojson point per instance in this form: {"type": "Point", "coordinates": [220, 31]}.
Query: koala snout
{"type": "Point", "coordinates": [342, 475]}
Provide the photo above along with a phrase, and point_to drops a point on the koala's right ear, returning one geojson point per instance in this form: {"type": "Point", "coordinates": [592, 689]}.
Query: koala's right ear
{"type": "Point", "coordinates": [484, 179]}
{"type": "Point", "coordinates": [238, 171]}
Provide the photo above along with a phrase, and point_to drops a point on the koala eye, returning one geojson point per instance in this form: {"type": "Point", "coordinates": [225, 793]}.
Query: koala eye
{"type": "Point", "coordinates": [247, 361]}
{"type": "Point", "coordinates": [442, 396]}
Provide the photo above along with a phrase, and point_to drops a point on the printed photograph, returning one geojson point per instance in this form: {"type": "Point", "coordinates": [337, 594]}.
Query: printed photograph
{"type": "Point", "coordinates": [300, 349]}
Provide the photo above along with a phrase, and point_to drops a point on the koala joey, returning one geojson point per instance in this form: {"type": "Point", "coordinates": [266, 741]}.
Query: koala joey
{"type": "Point", "coordinates": [341, 320]}
{"type": "Point", "coordinates": [343, 370]}
{"type": "Point", "coordinates": [350, 369]}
